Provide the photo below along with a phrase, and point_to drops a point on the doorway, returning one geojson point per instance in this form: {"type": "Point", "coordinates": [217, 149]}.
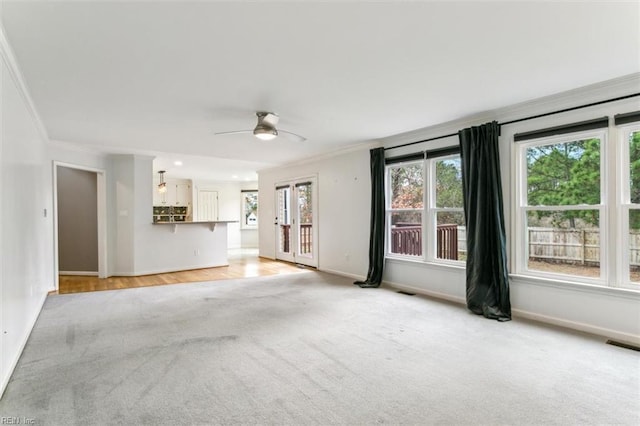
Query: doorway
{"type": "Point", "coordinates": [80, 233]}
{"type": "Point", "coordinates": [296, 222]}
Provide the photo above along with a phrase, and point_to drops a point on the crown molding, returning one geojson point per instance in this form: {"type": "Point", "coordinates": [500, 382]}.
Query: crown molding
{"type": "Point", "coordinates": [6, 52]}
{"type": "Point", "coordinates": [596, 92]}
{"type": "Point", "coordinates": [601, 91]}
{"type": "Point", "coordinates": [325, 156]}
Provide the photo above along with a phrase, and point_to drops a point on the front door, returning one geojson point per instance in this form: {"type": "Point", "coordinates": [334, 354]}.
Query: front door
{"type": "Point", "coordinates": [296, 235]}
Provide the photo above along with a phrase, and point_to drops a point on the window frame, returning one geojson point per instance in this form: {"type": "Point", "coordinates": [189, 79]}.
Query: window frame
{"type": "Point", "coordinates": [244, 193]}
{"type": "Point", "coordinates": [625, 205]}
{"type": "Point", "coordinates": [433, 210]}
{"type": "Point", "coordinates": [389, 210]}
{"type": "Point", "coordinates": [522, 208]}
{"type": "Point", "coordinates": [428, 212]}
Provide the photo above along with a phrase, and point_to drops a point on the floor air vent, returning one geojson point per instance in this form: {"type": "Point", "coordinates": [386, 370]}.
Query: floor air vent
{"type": "Point", "coordinates": [624, 345]}
{"type": "Point", "coordinates": [406, 293]}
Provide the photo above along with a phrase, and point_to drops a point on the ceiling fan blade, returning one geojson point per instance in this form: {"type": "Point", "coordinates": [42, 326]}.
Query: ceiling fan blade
{"type": "Point", "coordinates": [293, 135]}
{"type": "Point", "coordinates": [235, 132]}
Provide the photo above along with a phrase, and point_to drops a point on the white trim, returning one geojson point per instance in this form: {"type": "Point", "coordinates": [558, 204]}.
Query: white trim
{"type": "Point", "coordinates": [609, 89]}
{"type": "Point", "coordinates": [167, 270]}
{"type": "Point", "coordinates": [521, 206]}
{"type": "Point", "coordinates": [517, 279]}
{"type": "Point", "coordinates": [442, 264]}
{"type": "Point", "coordinates": [16, 75]}
{"type": "Point", "coordinates": [599, 331]}
{"type": "Point", "coordinates": [519, 313]}
{"type": "Point", "coordinates": [325, 156]}
{"type": "Point", "coordinates": [343, 274]}
{"type": "Point", "coordinates": [101, 193]}
{"type": "Point", "coordinates": [624, 132]}
{"type": "Point", "coordinates": [80, 273]}
{"type": "Point", "coordinates": [4, 381]}
{"type": "Point", "coordinates": [293, 256]}
{"type": "Point", "coordinates": [419, 290]}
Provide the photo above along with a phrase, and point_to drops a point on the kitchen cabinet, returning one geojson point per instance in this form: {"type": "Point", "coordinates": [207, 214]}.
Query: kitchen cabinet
{"type": "Point", "coordinates": [164, 214]}
{"type": "Point", "coordinates": [178, 193]}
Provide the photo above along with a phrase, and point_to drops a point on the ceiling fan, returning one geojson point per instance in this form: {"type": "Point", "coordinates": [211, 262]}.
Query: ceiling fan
{"type": "Point", "coordinates": [266, 128]}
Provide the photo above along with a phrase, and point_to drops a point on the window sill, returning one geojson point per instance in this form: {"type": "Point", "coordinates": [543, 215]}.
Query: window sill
{"type": "Point", "coordinates": [576, 285]}
{"type": "Point", "coordinates": [419, 261]}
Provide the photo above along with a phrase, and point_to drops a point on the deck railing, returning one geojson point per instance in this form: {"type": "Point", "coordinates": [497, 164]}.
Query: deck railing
{"type": "Point", "coordinates": [306, 238]}
{"type": "Point", "coordinates": [447, 247]}
{"type": "Point", "coordinates": [406, 238]}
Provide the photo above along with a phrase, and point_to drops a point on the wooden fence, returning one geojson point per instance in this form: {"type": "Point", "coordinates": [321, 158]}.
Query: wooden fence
{"type": "Point", "coordinates": [574, 246]}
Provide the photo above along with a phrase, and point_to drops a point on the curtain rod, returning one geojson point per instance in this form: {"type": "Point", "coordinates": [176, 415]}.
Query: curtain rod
{"type": "Point", "coordinates": [524, 119]}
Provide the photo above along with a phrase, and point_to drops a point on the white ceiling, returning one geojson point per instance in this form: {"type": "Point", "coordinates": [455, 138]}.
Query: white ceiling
{"type": "Point", "coordinates": [162, 77]}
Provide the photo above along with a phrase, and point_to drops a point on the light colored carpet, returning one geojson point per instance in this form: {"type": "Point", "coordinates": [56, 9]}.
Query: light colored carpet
{"type": "Point", "coordinates": [308, 348]}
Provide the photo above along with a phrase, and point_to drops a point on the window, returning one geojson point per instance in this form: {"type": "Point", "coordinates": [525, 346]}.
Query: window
{"type": "Point", "coordinates": [249, 209]}
{"type": "Point", "coordinates": [405, 202]}
{"type": "Point", "coordinates": [425, 217]}
{"type": "Point", "coordinates": [449, 209]}
{"type": "Point", "coordinates": [561, 213]}
{"type": "Point", "coordinates": [630, 208]}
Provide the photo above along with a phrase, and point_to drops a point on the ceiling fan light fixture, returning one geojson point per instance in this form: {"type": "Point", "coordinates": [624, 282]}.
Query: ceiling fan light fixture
{"type": "Point", "coordinates": [265, 133]}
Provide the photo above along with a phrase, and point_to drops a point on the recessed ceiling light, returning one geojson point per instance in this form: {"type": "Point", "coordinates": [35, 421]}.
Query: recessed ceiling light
{"type": "Point", "coordinates": [177, 163]}
{"type": "Point", "coordinates": [234, 177]}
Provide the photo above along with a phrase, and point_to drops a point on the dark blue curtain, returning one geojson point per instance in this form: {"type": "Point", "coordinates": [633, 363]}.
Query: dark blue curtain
{"type": "Point", "coordinates": [376, 238]}
{"type": "Point", "coordinates": [487, 276]}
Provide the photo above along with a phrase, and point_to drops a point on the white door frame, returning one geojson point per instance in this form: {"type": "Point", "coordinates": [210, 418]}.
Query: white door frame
{"type": "Point", "coordinates": [294, 256]}
{"type": "Point", "coordinates": [102, 217]}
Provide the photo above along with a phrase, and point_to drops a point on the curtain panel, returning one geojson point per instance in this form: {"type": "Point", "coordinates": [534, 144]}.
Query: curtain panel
{"type": "Point", "coordinates": [376, 237]}
{"type": "Point", "coordinates": [487, 277]}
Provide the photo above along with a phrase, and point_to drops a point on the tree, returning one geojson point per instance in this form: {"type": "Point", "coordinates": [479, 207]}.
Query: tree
{"type": "Point", "coordinates": [449, 190]}
{"type": "Point", "coordinates": [406, 187]}
{"type": "Point", "coordinates": [305, 204]}
{"type": "Point", "coordinates": [565, 174]}
{"type": "Point", "coordinates": [634, 178]}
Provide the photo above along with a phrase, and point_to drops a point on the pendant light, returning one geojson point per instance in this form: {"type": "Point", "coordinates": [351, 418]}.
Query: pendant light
{"type": "Point", "coordinates": [162, 186]}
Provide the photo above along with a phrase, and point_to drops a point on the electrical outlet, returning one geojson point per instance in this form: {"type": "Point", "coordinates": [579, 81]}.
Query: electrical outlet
{"type": "Point", "coordinates": [196, 252]}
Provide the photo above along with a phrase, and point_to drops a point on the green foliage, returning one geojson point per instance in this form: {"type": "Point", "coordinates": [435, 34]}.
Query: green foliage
{"type": "Point", "coordinates": [565, 174]}
{"type": "Point", "coordinates": [634, 177]}
{"type": "Point", "coordinates": [449, 191]}
{"type": "Point", "coordinates": [449, 183]}
{"type": "Point", "coordinates": [634, 160]}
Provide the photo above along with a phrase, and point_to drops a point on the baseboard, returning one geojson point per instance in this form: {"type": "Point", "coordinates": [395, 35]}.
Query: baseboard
{"type": "Point", "coordinates": [343, 274]}
{"type": "Point", "coordinates": [420, 290]}
{"type": "Point", "coordinates": [519, 313]}
{"type": "Point", "coordinates": [167, 270]}
{"type": "Point", "coordinates": [587, 328]}
{"type": "Point", "coordinates": [84, 273]}
{"type": "Point", "coordinates": [7, 377]}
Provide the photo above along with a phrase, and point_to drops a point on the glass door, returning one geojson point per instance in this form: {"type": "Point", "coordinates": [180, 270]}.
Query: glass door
{"type": "Point", "coordinates": [284, 248]}
{"type": "Point", "coordinates": [297, 237]}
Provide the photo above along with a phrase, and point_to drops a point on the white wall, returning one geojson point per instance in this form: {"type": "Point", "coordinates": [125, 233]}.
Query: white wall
{"type": "Point", "coordinates": [343, 209]}
{"type": "Point", "coordinates": [606, 311]}
{"type": "Point", "coordinates": [26, 233]}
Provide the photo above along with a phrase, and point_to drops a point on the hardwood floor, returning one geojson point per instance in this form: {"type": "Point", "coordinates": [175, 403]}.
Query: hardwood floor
{"type": "Point", "coordinates": [241, 265]}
